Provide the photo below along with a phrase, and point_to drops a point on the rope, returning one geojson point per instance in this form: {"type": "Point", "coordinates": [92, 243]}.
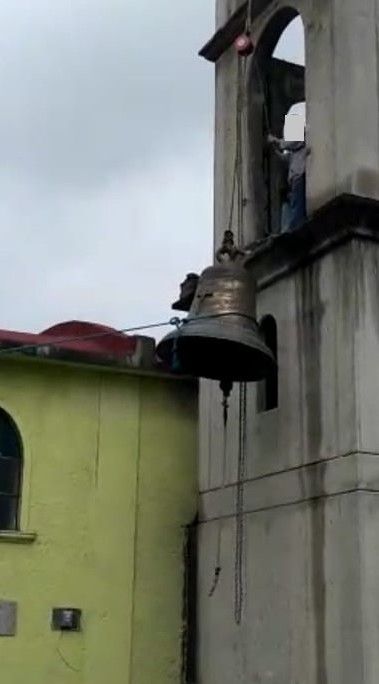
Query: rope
{"type": "Point", "coordinates": [266, 114]}
{"type": "Point", "coordinates": [239, 534]}
{"type": "Point", "coordinates": [239, 155]}
{"type": "Point", "coordinates": [237, 193]}
{"type": "Point", "coordinates": [237, 182]}
{"type": "Point", "coordinates": [79, 338]}
{"type": "Point", "coordinates": [217, 570]}
{"type": "Point", "coordinates": [238, 196]}
{"type": "Point", "coordinates": [249, 17]}
{"type": "Point", "coordinates": [248, 31]}
{"type": "Point", "coordinates": [58, 341]}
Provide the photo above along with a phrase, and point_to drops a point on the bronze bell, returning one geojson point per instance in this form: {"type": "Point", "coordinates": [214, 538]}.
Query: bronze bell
{"type": "Point", "coordinates": [220, 338]}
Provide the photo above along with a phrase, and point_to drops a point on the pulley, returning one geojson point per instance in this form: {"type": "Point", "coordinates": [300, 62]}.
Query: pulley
{"type": "Point", "coordinates": [244, 45]}
{"type": "Point", "coordinates": [220, 339]}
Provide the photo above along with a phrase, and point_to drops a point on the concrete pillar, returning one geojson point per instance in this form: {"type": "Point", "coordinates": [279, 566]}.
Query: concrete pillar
{"type": "Point", "coordinates": [342, 93]}
{"type": "Point", "coordinates": [311, 504]}
{"type": "Point", "coordinates": [343, 100]}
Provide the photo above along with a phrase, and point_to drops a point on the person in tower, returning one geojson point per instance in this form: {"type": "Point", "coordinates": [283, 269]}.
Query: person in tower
{"type": "Point", "coordinates": [294, 153]}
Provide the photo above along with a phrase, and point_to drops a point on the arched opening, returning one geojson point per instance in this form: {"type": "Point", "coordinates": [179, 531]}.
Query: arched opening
{"type": "Point", "coordinates": [277, 84]}
{"type": "Point", "coordinates": [268, 394]}
{"type": "Point", "coordinates": [290, 45]}
{"type": "Point", "coordinates": [11, 462]}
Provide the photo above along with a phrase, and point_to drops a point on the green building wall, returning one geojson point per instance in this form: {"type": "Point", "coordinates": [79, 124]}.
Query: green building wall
{"type": "Point", "coordinates": [109, 484]}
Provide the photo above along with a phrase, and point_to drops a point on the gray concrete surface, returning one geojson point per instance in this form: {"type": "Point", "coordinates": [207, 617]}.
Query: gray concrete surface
{"type": "Point", "coordinates": [311, 504]}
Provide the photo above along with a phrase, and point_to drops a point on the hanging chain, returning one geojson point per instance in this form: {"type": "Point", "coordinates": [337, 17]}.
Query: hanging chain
{"type": "Point", "coordinates": [237, 196]}
{"type": "Point", "coordinates": [217, 570]}
{"type": "Point", "coordinates": [240, 523]}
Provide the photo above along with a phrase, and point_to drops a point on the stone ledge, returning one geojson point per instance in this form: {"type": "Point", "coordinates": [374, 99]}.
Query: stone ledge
{"type": "Point", "coordinates": [226, 34]}
{"type": "Point", "coordinates": [343, 219]}
{"type": "Point", "coordinates": [17, 537]}
{"type": "Point", "coordinates": [351, 473]}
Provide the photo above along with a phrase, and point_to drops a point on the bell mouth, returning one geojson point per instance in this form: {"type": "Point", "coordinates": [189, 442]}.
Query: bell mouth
{"type": "Point", "coordinates": [217, 359]}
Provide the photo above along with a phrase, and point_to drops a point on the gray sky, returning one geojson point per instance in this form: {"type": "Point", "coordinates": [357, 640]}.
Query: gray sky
{"type": "Point", "coordinates": [106, 158]}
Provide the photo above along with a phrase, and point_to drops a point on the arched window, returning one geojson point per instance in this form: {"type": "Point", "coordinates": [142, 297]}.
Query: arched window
{"type": "Point", "coordinates": [268, 388]}
{"type": "Point", "coordinates": [11, 461]}
{"type": "Point", "coordinates": [277, 83]}
{"type": "Point", "coordinates": [291, 44]}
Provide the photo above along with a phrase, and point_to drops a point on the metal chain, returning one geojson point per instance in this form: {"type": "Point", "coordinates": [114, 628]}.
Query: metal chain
{"type": "Point", "coordinates": [217, 570]}
{"type": "Point", "coordinates": [240, 523]}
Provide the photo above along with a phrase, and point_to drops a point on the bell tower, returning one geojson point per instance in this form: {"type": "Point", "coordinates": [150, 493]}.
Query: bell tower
{"type": "Point", "coordinates": [288, 553]}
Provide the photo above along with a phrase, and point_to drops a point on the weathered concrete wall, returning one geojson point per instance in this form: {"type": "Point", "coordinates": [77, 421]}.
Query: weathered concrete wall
{"type": "Point", "coordinates": [311, 558]}
{"type": "Point", "coordinates": [311, 555]}
{"type": "Point", "coordinates": [225, 9]}
{"type": "Point", "coordinates": [109, 482]}
{"type": "Point", "coordinates": [316, 311]}
{"type": "Point", "coordinates": [302, 617]}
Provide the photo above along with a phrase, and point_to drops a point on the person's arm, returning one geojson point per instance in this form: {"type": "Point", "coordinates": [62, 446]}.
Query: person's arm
{"type": "Point", "coordinates": [273, 140]}
{"type": "Point", "coordinates": [277, 146]}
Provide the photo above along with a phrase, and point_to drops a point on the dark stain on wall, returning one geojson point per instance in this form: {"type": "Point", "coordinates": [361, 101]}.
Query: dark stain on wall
{"type": "Point", "coordinates": [310, 312]}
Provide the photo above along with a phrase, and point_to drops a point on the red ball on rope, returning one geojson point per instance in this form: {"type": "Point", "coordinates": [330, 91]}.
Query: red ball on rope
{"type": "Point", "coordinates": [244, 45]}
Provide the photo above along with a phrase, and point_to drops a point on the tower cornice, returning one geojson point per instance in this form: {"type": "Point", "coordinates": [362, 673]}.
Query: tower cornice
{"type": "Point", "coordinates": [345, 218]}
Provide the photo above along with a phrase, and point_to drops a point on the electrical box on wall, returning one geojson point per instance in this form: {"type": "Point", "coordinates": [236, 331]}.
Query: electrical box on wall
{"type": "Point", "coordinates": [66, 619]}
{"type": "Point", "coordinates": [8, 618]}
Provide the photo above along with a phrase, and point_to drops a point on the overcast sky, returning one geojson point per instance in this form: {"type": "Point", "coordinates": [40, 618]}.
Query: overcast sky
{"type": "Point", "coordinates": [106, 155]}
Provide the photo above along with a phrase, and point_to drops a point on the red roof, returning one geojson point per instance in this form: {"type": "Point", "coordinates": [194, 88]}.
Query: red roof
{"type": "Point", "coordinates": [112, 342]}
{"type": "Point", "coordinates": [61, 336]}
{"type": "Point", "coordinates": [86, 343]}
